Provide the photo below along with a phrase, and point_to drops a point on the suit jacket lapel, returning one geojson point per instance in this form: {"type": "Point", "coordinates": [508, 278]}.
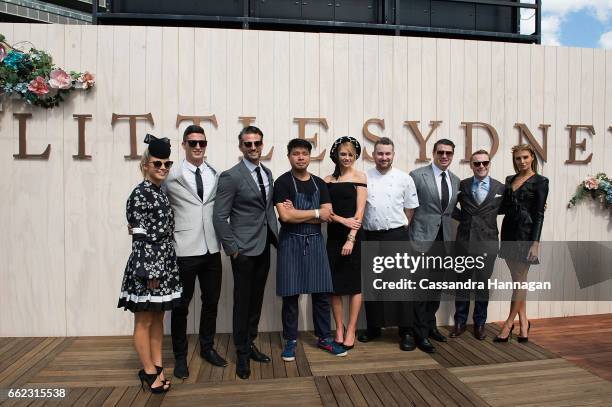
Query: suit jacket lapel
{"type": "Point", "coordinates": [213, 192]}
{"type": "Point", "coordinates": [178, 174]}
{"type": "Point", "coordinates": [249, 179]}
{"type": "Point", "coordinates": [430, 181]}
{"type": "Point", "coordinates": [270, 183]}
{"type": "Point", "coordinates": [466, 190]}
{"type": "Point", "coordinates": [490, 194]}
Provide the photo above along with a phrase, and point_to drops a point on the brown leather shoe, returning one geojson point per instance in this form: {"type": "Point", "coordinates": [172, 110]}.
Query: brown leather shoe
{"type": "Point", "coordinates": [458, 329]}
{"type": "Point", "coordinates": [479, 332]}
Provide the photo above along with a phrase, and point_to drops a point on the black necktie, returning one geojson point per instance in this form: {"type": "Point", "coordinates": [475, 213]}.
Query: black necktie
{"type": "Point", "coordinates": [444, 200]}
{"type": "Point", "coordinates": [262, 187]}
{"type": "Point", "coordinates": [199, 184]}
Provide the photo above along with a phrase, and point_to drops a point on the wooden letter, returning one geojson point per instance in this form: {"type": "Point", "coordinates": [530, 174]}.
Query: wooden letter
{"type": "Point", "coordinates": [23, 154]}
{"type": "Point", "coordinates": [132, 118]}
{"type": "Point", "coordinates": [541, 150]}
{"type": "Point", "coordinates": [469, 126]}
{"type": "Point", "coordinates": [302, 121]}
{"type": "Point", "coordinates": [414, 126]}
{"type": "Point", "coordinates": [369, 136]}
{"type": "Point", "coordinates": [81, 146]}
{"type": "Point", "coordinates": [582, 145]}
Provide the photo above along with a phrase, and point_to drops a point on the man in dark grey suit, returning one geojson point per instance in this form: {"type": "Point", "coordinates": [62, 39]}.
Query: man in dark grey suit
{"type": "Point", "coordinates": [479, 202]}
{"type": "Point", "coordinates": [245, 222]}
{"type": "Point", "coordinates": [437, 190]}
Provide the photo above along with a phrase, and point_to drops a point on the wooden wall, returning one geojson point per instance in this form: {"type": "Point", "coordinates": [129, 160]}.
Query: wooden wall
{"type": "Point", "coordinates": [64, 243]}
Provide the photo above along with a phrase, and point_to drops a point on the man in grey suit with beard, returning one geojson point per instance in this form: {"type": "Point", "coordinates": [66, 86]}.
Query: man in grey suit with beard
{"type": "Point", "coordinates": [191, 188]}
{"type": "Point", "coordinates": [437, 190]}
{"type": "Point", "coordinates": [245, 221]}
{"type": "Point", "coordinates": [479, 202]}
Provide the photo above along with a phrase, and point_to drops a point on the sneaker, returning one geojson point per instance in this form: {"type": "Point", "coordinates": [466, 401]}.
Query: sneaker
{"type": "Point", "coordinates": [332, 347]}
{"type": "Point", "coordinates": [288, 354]}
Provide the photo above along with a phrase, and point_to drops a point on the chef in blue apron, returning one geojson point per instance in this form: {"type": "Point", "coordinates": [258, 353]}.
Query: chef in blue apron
{"type": "Point", "coordinates": [302, 266]}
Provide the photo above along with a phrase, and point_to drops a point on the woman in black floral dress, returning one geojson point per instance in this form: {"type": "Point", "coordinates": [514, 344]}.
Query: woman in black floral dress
{"type": "Point", "coordinates": [151, 281]}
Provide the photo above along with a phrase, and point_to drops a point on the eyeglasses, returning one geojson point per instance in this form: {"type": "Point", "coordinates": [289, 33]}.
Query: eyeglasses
{"type": "Point", "coordinates": [193, 143]}
{"type": "Point", "coordinates": [447, 153]}
{"type": "Point", "coordinates": [481, 163]}
{"type": "Point", "coordinates": [159, 164]}
{"type": "Point", "coordinates": [250, 144]}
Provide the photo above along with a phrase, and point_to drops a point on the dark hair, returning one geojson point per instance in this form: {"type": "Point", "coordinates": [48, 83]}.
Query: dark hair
{"type": "Point", "coordinates": [384, 141]}
{"type": "Point", "coordinates": [298, 143]}
{"type": "Point", "coordinates": [445, 142]}
{"type": "Point", "coordinates": [194, 128]}
{"type": "Point", "coordinates": [481, 151]}
{"type": "Point", "coordinates": [249, 130]}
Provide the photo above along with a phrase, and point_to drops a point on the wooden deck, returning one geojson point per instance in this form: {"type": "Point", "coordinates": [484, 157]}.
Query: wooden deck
{"type": "Point", "coordinates": [568, 361]}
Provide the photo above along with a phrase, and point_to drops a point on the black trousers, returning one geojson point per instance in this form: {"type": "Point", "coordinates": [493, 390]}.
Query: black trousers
{"type": "Point", "coordinates": [389, 313]}
{"type": "Point", "coordinates": [250, 275]}
{"type": "Point", "coordinates": [207, 269]}
{"type": "Point", "coordinates": [320, 316]}
{"type": "Point", "coordinates": [481, 297]}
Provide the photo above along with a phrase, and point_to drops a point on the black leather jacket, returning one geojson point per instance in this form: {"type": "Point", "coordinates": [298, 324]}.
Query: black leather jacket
{"type": "Point", "coordinates": [524, 209]}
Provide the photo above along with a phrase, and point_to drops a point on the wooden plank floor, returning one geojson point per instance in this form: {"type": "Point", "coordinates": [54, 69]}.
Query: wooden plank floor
{"type": "Point", "coordinates": [568, 361]}
{"type": "Point", "coordinates": [585, 340]}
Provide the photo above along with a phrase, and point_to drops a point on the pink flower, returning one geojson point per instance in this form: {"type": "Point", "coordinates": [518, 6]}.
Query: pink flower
{"type": "Point", "coordinates": [2, 52]}
{"type": "Point", "coordinates": [591, 183]}
{"type": "Point", "coordinates": [59, 79]}
{"type": "Point", "coordinates": [38, 86]}
{"type": "Point", "coordinates": [85, 81]}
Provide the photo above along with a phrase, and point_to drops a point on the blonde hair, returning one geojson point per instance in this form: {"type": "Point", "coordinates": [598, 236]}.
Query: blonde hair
{"type": "Point", "coordinates": [351, 147]}
{"type": "Point", "coordinates": [146, 156]}
{"type": "Point", "coordinates": [529, 148]}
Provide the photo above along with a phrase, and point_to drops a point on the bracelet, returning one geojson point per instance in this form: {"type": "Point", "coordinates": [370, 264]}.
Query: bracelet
{"type": "Point", "coordinates": [317, 215]}
{"type": "Point", "coordinates": [350, 238]}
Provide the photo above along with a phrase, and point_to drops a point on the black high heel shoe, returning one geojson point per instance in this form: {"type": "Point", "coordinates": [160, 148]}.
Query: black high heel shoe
{"type": "Point", "coordinates": [160, 369]}
{"type": "Point", "coordinates": [149, 379]}
{"type": "Point", "coordinates": [523, 339]}
{"type": "Point", "coordinates": [500, 339]}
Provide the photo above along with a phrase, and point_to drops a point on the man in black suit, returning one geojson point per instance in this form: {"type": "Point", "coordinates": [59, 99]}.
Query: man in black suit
{"type": "Point", "coordinates": [245, 222]}
{"type": "Point", "coordinates": [479, 202]}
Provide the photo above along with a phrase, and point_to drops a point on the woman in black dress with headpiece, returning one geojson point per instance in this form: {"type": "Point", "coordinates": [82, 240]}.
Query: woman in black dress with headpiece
{"type": "Point", "coordinates": [151, 282]}
{"type": "Point", "coordinates": [523, 206]}
{"type": "Point", "coordinates": [348, 193]}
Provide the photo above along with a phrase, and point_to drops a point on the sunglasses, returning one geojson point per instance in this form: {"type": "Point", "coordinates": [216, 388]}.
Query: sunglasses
{"type": "Point", "coordinates": [447, 153]}
{"type": "Point", "coordinates": [159, 164]}
{"type": "Point", "coordinates": [250, 144]}
{"type": "Point", "coordinates": [193, 143]}
{"type": "Point", "coordinates": [481, 163]}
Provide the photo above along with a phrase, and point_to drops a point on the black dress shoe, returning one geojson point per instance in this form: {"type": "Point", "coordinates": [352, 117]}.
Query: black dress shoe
{"type": "Point", "coordinates": [436, 335]}
{"type": "Point", "coordinates": [258, 356]}
{"type": "Point", "coordinates": [213, 357]}
{"type": "Point", "coordinates": [368, 335]}
{"type": "Point", "coordinates": [180, 368]}
{"type": "Point", "coordinates": [407, 343]}
{"type": "Point", "coordinates": [243, 366]}
{"type": "Point", "coordinates": [458, 329]}
{"type": "Point", "coordinates": [425, 345]}
{"type": "Point", "coordinates": [479, 332]}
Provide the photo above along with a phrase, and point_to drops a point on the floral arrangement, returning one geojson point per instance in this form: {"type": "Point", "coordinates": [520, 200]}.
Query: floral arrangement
{"type": "Point", "coordinates": [598, 187]}
{"type": "Point", "coordinates": [33, 76]}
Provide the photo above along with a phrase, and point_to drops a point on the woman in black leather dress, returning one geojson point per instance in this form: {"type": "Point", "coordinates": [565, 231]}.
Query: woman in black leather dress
{"type": "Point", "coordinates": [523, 206]}
{"type": "Point", "coordinates": [348, 193]}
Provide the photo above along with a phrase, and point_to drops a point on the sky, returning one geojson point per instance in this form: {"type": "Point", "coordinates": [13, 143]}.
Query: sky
{"type": "Point", "coordinates": [573, 23]}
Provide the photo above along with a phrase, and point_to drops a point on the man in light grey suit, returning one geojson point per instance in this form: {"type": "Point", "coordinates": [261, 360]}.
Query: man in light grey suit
{"type": "Point", "coordinates": [191, 188]}
{"type": "Point", "coordinates": [245, 221]}
{"type": "Point", "coordinates": [437, 190]}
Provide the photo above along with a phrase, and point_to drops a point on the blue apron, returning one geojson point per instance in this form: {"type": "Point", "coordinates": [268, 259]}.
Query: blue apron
{"type": "Point", "coordinates": [302, 266]}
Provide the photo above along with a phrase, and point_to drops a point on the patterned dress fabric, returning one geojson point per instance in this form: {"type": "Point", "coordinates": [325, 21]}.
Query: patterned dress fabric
{"type": "Point", "coordinates": [149, 214]}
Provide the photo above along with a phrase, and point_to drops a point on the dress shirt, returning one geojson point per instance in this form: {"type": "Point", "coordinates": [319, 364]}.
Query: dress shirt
{"type": "Point", "coordinates": [388, 195]}
{"type": "Point", "coordinates": [485, 187]}
{"type": "Point", "coordinates": [251, 167]}
{"type": "Point", "coordinates": [206, 173]}
{"type": "Point", "coordinates": [438, 177]}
